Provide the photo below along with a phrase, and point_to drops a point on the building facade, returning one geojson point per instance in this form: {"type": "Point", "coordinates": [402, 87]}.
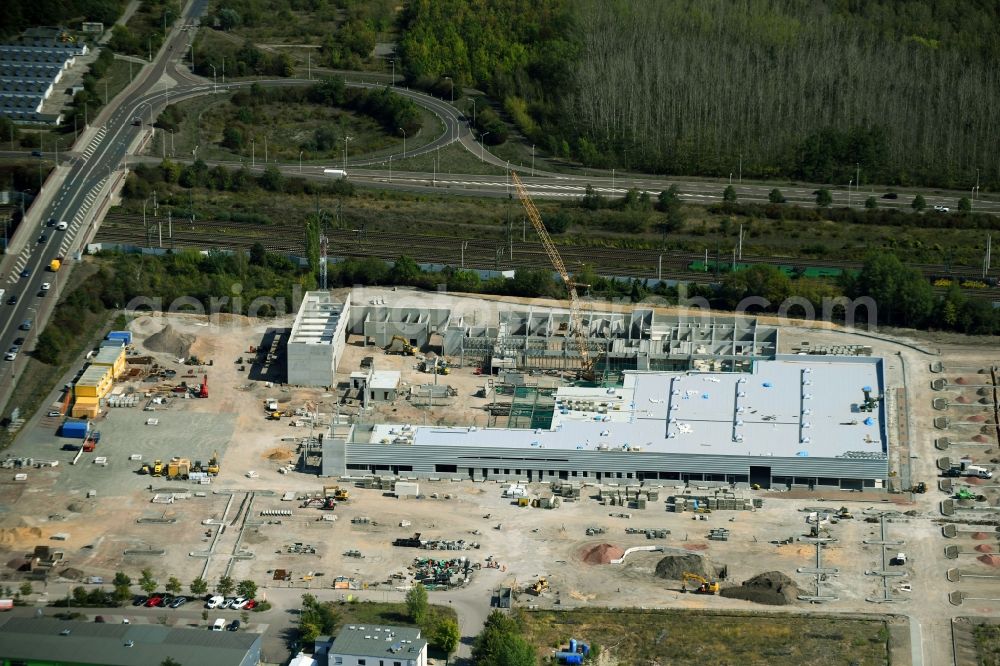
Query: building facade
{"type": "Point", "coordinates": [317, 339]}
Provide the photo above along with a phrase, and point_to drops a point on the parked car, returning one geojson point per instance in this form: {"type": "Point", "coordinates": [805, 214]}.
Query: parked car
{"type": "Point", "coordinates": [140, 601]}
{"type": "Point", "coordinates": [219, 625]}
{"type": "Point", "coordinates": [46, 286]}
{"type": "Point", "coordinates": [12, 300]}
{"type": "Point", "coordinates": [215, 602]}
{"type": "Point", "coordinates": [18, 341]}
{"type": "Point", "coordinates": [251, 604]}
{"type": "Point", "coordinates": [26, 325]}
{"type": "Point", "coordinates": [178, 602]}
{"type": "Point", "coordinates": [234, 625]}
{"type": "Point", "coordinates": [10, 356]}
{"type": "Point", "coordinates": [239, 603]}
{"type": "Point", "coordinates": [43, 238]}
{"type": "Point", "coordinates": [890, 195]}
{"type": "Point", "coordinates": [154, 601]}
{"type": "Point", "coordinates": [52, 223]}
{"type": "Point", "coordinates": [54, 413]}
{"type": "Point", "coordinates": [36, 153]}
{"type": "Point", "coordinates": [227, 603]}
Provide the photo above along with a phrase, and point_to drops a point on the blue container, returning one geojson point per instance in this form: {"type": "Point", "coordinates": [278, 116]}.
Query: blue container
{"type": "Point", "coordinates": [124, 336]}
{"type": "Point", "coordinates": [572, 645]}
{"type": "Point", "coordinates": [75, 429]}
{"type": "Point", "coordinates": [585, 648]}
{"type": "Point", "coordinates": [569, 658]}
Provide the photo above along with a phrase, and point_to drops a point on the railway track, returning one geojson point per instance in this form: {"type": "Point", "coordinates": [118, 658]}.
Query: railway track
{"type": "Point", "coordinates": [490, 254]}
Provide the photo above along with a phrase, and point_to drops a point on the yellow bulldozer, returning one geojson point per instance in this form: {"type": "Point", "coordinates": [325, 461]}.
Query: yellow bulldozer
{"type": "Point", "coordinates": [704, 586]}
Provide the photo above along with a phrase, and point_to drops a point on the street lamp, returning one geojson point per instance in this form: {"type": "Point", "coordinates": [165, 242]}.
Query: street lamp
{"type": "Point", "coordinates": [215, 80]}
{"type": "Point", "coordinates": [347, 138]}
{"type": "Point", "coordinates": [404, 142]}
{"type": "Point", "coordinates": [482, 146]}
{"type": "Point", "coordinates": [452, 81]}
{"type": "Point", "coordinates": [532, 160]}
{"type": "Point", "coordinates": [849, 184]}
{"type": "Point", "coordinates": [300, 161]}
{"type": "Point", "coordinates": [473, 111]}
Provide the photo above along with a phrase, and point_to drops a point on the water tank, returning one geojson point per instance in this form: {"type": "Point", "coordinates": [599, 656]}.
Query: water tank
{"type": "Point", "coordinates": [569, 658]}
{"type": "Point", "coordinates": [572, 645]}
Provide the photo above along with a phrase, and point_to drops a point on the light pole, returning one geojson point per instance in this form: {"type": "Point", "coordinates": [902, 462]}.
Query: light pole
{"type": "Point", "coordinates": [452, 81]}
{"type": "Point", "coordinates": [857, 175]}
{"type": "Point", "coordinates": [346, 139]}
{"type": "Point", "coordinates": [404, 142]}
{"type": "Point", "coordinates": [393, 84]}
{"type": "Point", "coordinates": [253, 152]}
{"type": "Point", "coordinates": [300, 161]}
{"type": "Point", "coordinates": [390, 168]}
{"type": "Point", "coordinates": [482, 146]}
{"type": "Point", "coordinates": [223, 70]}
{"type": "Point", "coordinates": [465, 244]}
{"type": "Point", "coordinates": [215, 80]}
{"type": "Point", "coordinates": [849, 184]}
{"type": "Point", "coordinates": [473, 111]}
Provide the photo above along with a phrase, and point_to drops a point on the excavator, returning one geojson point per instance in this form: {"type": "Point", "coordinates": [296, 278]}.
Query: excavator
{"type": "Point", "coordinates": [704, 586]}
{"type": "Point", "coordinates": [400, 345]}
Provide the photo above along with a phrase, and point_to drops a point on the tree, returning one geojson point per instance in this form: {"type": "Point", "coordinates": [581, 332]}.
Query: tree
{"type": "Point", "coordinates": [669, 202]}
{"type": "Point", "coordinates": [258, 254]}
{"type": "Point", "coordinates": [272, 180]}
{"type": "Point", "coordinates": [446, 635]}
{"type": "Point", "coordinates": [871, 203]}
{"type": "Point", "coordinates": [404, 271]}
{"type": "Point", "coordinates": [729, 194]}
{"type": "Point", "coordinates": [225, 586]}
{"type": "Point", "coordinates": [232, 138]}
{"type": "Point", "coordinates": [123, 586]}
{"type": "Point", "coordinates": [316, 619]}
{"type": "Point", "coordinates": [776, 197]}
{"type": "Point", "coordinates": [198, 586]}
{"type": "Point", "coordinates": [147, 582]}
{"type": "Point", "coordinates": [500, 643]}
{"type": "Point", "coordinates": [26, 589]}
{"type": "Point", "coordinates": [919, 203]}
{"type": "Point", "coordinates": [465, 281]}
{"type": "Point", "coordinates": [823, 197]}
{"type": "Point", "coordinates": [416, 603]}
{"type": "Point", "coordinates": [247, 588]}
{"type": "Point", "coordinates": [173, 585]}
{"type": "Point", "coordinates": [964, 205]}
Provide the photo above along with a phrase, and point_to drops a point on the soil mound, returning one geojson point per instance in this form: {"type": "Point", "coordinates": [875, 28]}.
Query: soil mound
{"type": "Point", "coordinates": [962, 400]}
{"type": "Point", "coordinates": [982, 439]}
{"type": "Point", "coordinates": [169, 341]}
{"type": "Point", "coordinates": [984, 548]}
{"type": "Point", "coordinates": [990, 560]}
{"type": "Point", "coordinates": [773, 588]}
{"type": "Point", "coordinates": [981, 536]}
{"type": "Point", "coordinates": [962, 380]}
{"type": "Point", "coordinates": [977, 418]}
{"type": "Point", "coordinates": [19, 536]}
{"type": "Point", "coordinates": [674, 566]}
{"type": "Point", "coordinates": [602, 554]}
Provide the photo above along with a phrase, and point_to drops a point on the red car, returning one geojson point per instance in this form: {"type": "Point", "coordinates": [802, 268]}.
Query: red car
{"type": "Point", "coordinates": [153, 602]}
{"type": "Point", "coordinates": [250, 605]}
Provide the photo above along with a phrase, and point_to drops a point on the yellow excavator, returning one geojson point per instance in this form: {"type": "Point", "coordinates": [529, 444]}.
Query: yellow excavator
{"type": "Point", "coordinates": [400, 345]}
{"type": "Point", "coordinates": [704, 586]}
{"type": "Point", "coordinates": [539, 586]}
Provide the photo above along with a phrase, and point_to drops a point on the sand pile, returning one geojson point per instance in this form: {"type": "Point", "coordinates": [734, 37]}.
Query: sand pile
{"type": "Point", "coordinates": [773, 588]}
{"type": "Point", "coordinates": [991, 560]}
{"type": "Point", "coordinates": [674, 566]}
{"type": "Point", "coordinates": [977, 418]}
{"type": "Point", "coordinates": [169, 341]}
{"type": "Point", "coordinates": [962, 380]}
{"type": "Point", "coordinates": [279, 454]}
{"type": "Point", "coordinates": [984, 548]}
{"type": "Point", "coordinates": [962, 400]}
{"type": "Point", "coordinates": [982, 439]}
{"type": "Point", "coordinates": [981, 536]}
{"type": "Point", "coordinates": [602, 554]}
{"type": "Point", "coordinates": [19, 536]}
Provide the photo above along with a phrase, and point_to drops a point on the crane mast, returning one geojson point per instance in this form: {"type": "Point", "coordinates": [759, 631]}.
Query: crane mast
{"type": "Point", "coordinates": [576, 320]}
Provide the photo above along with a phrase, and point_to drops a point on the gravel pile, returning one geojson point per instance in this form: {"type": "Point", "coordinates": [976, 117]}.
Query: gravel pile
{"type": "Point", "coordinates": [169, 341]}
{"type": "Point", "coordinates": [602, 554]}
{"type": "Point", "coordinates": [772, 588]}
{"type": "Point", "coordinates": [674, 566]}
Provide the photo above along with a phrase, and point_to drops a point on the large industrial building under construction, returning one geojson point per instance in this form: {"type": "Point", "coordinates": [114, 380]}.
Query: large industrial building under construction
{"type": "Point", "coordinates": [674, 400]}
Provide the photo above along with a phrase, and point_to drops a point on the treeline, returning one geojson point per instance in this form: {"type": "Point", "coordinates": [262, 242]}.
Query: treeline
{"type": "Point", "coordinates": [17, 15]}
{"type": "Point", "coordinates": [232, 60]}
{"type": "Point", "coordinates": [144, 33]}
{"type": "Point", "coordinates": [906, 93]}
{"type": "Point", "coordinates": [392, 111]}
{"type": "Point", "coordinates": [144, 178]}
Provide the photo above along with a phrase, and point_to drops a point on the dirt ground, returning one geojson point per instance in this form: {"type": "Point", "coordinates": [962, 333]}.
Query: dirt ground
{"type": "Point", "coordinates": [103, 533]}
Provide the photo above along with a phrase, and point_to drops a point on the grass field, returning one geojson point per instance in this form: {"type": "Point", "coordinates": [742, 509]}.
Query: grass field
{"type": "Point", "coordinates": [448, 160]}
{"type": "Point", "coordinates": [988, 644]}
{"type": "Point", "coordinates": [691, 637]}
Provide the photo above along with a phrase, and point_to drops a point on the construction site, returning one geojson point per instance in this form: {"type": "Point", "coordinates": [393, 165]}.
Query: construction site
{"type": "Point", "coordinates": [565, 455]}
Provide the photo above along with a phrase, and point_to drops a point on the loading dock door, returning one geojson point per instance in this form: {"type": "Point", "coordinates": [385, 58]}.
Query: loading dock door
{"type": "Point", "coordinates": [761, 476]}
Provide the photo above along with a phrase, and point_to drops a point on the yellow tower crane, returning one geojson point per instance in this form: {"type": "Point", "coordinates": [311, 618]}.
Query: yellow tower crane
{"type": "Point", "coordinates": [576, 320]}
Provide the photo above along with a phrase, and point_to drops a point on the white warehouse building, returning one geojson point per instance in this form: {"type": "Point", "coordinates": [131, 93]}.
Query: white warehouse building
{"type": "Point", "coordinates": [317, 340]}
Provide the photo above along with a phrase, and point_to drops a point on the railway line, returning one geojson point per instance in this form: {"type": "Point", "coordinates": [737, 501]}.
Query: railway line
{"type": "Point", "coordinates": [489, 254]}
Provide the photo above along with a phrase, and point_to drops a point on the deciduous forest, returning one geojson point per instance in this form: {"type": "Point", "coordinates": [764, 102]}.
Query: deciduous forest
{"type": "Point", "coordinates": [904, 92]}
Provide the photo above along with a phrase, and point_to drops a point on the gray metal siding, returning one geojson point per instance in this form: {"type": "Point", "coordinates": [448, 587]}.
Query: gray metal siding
{"type": "Point", "coordinates": [424, 458]}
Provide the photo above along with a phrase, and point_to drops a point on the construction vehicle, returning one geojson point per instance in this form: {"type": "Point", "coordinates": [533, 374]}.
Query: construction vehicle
{"type": "Point", "coordinates": [54, 265]}
{"type": "Point", "coordinates": [704, 586]}
{"type": "Point", "coordinates": [539, 586]}
{"type": "Point", "coordinates": [213, 465]}
{"type": "Point", "coordinates": [400, 345]}
{"type": "Point", "coordinates": [844, 513]}
{"type": "Point", "coordinates": [154, 469]}
{"type": "Point", "coordinates": [436, 366]}
{"type": "Point", "coordinates": [203, 392]}
{"type": "Point", "coordinates": [578, 331]}
{"type": "Point", "coordinates": [336, 493]}
{"type": "Point", "coordinates": [919, 488]}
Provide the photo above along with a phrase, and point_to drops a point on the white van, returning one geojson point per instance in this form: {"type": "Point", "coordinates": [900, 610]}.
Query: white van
{"type": "Point", "coordinates": [214, 602]}
{"type": "Point", "coordinates": [219, 625]}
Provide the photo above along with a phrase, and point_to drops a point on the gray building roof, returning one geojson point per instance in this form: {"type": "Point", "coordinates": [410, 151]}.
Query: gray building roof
{"type": "Point", "coordinates": [42, 639]}
{"type": "Point", "coordinates": [317, 320]}
{"type": "Point", "coordinates": [378, 641]}
{"type": "Point", "coordinates": [795, 406]}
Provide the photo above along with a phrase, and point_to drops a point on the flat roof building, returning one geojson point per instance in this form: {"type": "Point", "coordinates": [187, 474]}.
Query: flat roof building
{"type": "Point", "coordinates": [111, 357]}
{"type": "Point", "coordinates": [368, 645]}
{"type": "Point", "coordinates": [317, 339]}
{"type": "Point", "coordinates": [72, 643]}
{"type": "Point", "coordinates": [95, 382]}
{"type": "Point", "coordinates": [791, 421]}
